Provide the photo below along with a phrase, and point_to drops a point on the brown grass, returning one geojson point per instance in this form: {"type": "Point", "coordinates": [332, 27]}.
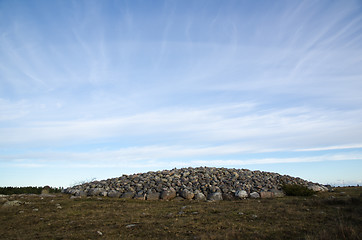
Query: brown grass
{"type": "Point", "coordinates": [333, 215]}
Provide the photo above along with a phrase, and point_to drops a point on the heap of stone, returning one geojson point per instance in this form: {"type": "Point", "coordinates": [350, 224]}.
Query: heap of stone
{"type": "Point", "coordinates": [193, 183]}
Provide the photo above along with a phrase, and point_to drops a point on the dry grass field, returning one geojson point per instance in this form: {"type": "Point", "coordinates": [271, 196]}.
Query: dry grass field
{"type": "Point", "coordinates": [332, 215]}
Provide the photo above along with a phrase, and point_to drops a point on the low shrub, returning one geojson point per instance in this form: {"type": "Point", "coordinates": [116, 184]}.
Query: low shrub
{"type": "Point", "coordinates": [297, 190]}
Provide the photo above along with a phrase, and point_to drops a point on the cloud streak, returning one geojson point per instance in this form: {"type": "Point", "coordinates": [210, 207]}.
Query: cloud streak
{"type": "Point", "coordinates": [164, 157]}
{"type": "Point", "coordinates": [239, 122]}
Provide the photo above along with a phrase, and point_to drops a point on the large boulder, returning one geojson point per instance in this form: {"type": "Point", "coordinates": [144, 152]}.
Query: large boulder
{"type": "Point", "coordinates": [168, 194]}
{"type": "Point", "coordinates": [241, 194]}
{"type": "Point", "coordinates": [228, 196]}
{"type": "Point", "coordinates": [114, 194]}
{"type": "Point", "coordinates": [80, 193]}
{"type": "Point", "coordinates": [318, 188]}
{"type": "Point", "coordinates": [200, 196]}
{"type": "Point", "coordinates": [266, 194]}
{"type": "Point", "coordinates": [187, 194]}
{"type": "Point", "coordinates": [217, 196]}
{"type": "Point", "coordinates": [277, 193]}
{"type": "Point", "coordinates": [254, 195]}
{"type": "Point", "coordinates": [140, 196]}
{"type": "Point", "coordinates": [153, 196]}
{"type": "Point", "coordinates": [95, 191]}
{"type": "Point", "coordinates": [12, 204]}
{"type": "Point", "coordinates": [128, 195]}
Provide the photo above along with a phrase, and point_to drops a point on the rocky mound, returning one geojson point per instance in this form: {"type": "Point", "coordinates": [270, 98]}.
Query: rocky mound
{"type": "Point", "coordinates": [193, 183]}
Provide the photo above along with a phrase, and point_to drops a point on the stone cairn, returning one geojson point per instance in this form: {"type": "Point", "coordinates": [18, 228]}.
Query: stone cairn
{"type": "Point", "coordinates": [202, 183]}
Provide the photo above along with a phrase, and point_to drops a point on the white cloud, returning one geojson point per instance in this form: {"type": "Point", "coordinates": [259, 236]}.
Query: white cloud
{"type": "Point", "coordinates": [163, 157]}
{"type": "Point", "coordinates": [290, 128]}
{"type": "Point", "coordinates": [320, 158]}
{"type": "Point", "coordinates": [10, 111]}
{"type": "Point", "coordinates": [341, 147]}
{"type": "Point", "coordinates": [131, 154]}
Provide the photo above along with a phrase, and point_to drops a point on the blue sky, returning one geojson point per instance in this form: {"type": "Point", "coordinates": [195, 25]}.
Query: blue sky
{"type": "Point", "coordinates": [97, 89]}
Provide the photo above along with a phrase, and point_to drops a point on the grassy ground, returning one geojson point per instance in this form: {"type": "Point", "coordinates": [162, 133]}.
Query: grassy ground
{"type": "Point", "coordinates": [333, 215]}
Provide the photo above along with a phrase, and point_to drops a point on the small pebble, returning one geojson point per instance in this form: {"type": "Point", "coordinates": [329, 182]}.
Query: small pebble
{"type": "Point", "coordinates": [130, 225]}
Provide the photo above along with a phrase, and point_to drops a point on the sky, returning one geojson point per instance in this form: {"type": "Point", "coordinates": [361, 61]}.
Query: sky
{"type": "Point", "coordinates": [98, 89]}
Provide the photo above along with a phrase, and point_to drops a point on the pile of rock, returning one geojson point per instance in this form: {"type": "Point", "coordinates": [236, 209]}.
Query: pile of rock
{"type": "Point", "coordinates": [192, 183]}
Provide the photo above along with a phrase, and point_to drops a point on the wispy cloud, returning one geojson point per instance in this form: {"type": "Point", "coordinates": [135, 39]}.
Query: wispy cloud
{"type": "Point", "coordinates": [163, 157]}
{"type": "Point", "coordinates": [353, 146]}
{"type": "Point", "coordinates": [336, 157]}
{"type": "Point", "coordinates": [290, 128]}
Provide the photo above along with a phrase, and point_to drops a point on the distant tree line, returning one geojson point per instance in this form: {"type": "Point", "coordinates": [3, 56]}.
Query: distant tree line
{"type": "Point", "coordinates": [27, 190]}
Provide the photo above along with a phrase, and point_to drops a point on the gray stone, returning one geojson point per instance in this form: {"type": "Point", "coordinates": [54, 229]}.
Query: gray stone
{"type": "Point", "coordinates": [153, 196]}
{"type": "Point", "coordinates": [217, 196]}
{"type": "Point", "coordinates": [168, 194]}
{"type": "Point", "coordinates": [14, 203]}
{"type": "Point", "coordinates": [187, 194]}
{"type": "Point", "coordinates": [80, 193]}
{"type": "Point", "coordinates": [140, 196]}
{"type": "Point", "coordinates": [318, 188]}
{"type": "Point", "coordinates": [178, 199]}
{"type": "Point", "coordinates": [278, 193]}
{"type": "Point", "coordinates": [128, 195]}
{"type": "Point", "coordinates": [114, 194]}
{"type": "Point", "coordinates": [200, 196]}
{"type": "Point", "coordinates": [130, 225]}
{"type": "Point", "coordinates": [241, 194]}
{"type": "Point", "coordinates": [228, 196]}
{"type": "Point", "coordinates": [266, 194]}
{"type": "Point", "coordinates": [254, 195]}
{"type": "Point", "coordinates": [47, 195]}
{"type": "Point", "coordinates": [75, 197]}
{"type": "Point", "coordinates": [94, 192]}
